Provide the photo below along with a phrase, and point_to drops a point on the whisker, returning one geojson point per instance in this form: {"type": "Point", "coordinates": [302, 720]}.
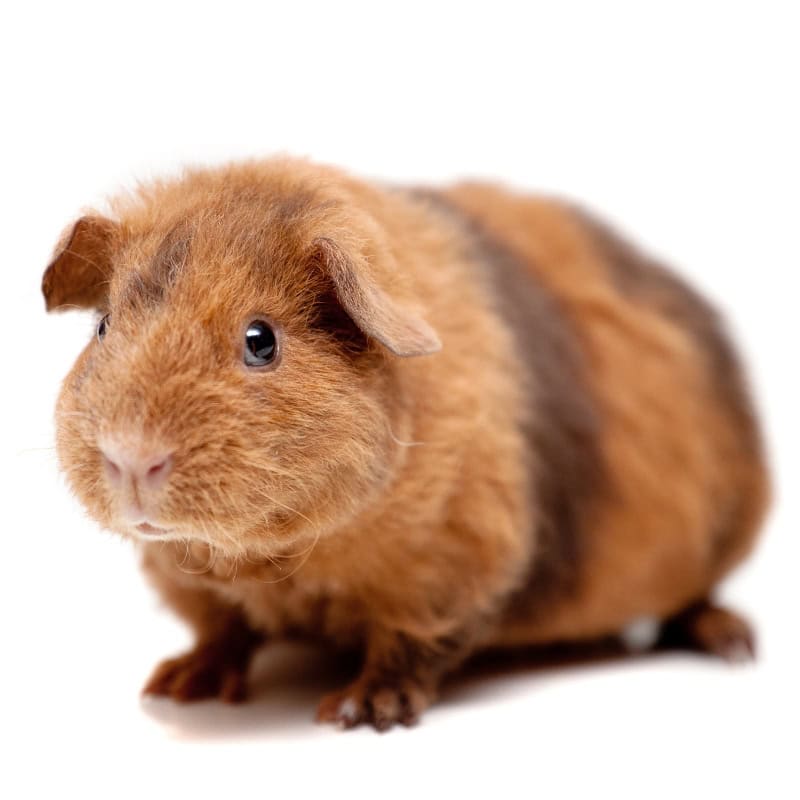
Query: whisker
{"type": "Point", "coordinates": [287, 507]}
{"type": "Point", "coordinates": [212, 560]}
{"type": "Point", "coordinates": [402, 443]}
{"type": "Point", "coordinates": [309, 550]}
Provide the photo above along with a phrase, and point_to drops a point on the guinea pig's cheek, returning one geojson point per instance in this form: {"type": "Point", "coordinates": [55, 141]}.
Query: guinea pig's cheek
{"type": "Point", "coordinates": [76, 378]}
{"type": "Point", "coordinates": [77, 456]}
{"type": "Point", "coordinates": [82, 472]}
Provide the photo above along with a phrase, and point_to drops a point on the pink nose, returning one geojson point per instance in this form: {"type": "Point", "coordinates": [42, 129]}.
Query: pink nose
{"type": "Point", "coordinates": [145, 468]}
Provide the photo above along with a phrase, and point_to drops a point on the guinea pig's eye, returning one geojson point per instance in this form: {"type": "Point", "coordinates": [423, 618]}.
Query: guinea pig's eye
{"type": "Point", "coordinates": [260, 344]}
{"type": "Point", "coordinates": [102, 326]}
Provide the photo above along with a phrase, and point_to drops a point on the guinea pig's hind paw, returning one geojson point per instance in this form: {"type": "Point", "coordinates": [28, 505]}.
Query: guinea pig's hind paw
{"type": "Point", "coordinates": [714, 630]}
{"type": "Point", "coordinates": [197, 675]}
{"type": "Point", "coordinates": [380, 704]}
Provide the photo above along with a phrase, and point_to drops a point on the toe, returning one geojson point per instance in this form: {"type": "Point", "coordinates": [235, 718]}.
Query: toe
{"type": "Point", "coordinates": [234, 687]}
{"type": "Point", "coordinates": [725, 634]}
{"type": "Point", "coordinates": [415, 701]}
{"type": "Point", "coordinates": [344, 708]}
{"type": "Point", "coordinates": [195, 682]}
{"type": "Point", "coordinates": [386, 706]}
{"type": "Point", "coordinates": [160, 681]}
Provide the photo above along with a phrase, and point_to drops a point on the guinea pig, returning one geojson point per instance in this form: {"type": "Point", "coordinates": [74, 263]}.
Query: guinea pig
{"type": "Point", "coordinates": [413, 424]}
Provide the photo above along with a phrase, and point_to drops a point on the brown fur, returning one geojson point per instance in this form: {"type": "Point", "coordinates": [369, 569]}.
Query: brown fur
{"type": "Point", "coordinates": [569, 447]}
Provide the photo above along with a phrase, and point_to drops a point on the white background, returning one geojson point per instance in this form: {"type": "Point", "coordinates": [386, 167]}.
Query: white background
{"type": "Point", "coordinates": [679, 121]}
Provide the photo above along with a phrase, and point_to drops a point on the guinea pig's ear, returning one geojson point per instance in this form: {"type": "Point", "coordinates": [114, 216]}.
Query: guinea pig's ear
{"type": "Point", "coordinates": [78, 275]}
{"type": "Point", "coordinates": [398, 328]}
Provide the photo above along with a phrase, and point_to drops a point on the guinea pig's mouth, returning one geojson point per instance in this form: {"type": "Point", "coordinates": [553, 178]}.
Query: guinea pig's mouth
{"type": "Point", "coordinates": [147, 531]}
{"type": "Point", "coordinates": [150, 530]}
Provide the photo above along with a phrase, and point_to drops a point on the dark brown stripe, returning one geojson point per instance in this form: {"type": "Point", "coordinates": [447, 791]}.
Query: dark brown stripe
{"type": "Point", "coordinates": [148, 287]}
{"type": "Point", "coordinates": [172, 254]}
{"type": "Point", "coordinates": [563, 433]}
{"type": "Point", "coordinates": [141, 291]}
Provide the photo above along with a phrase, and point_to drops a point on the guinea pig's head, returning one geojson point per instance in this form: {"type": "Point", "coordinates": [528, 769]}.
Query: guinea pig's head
{"type": "Point", "coordinates": [241, 384]}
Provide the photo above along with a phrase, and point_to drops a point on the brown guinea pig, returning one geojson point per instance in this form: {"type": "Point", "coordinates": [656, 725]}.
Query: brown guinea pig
{"type": "Point", "coordinates": [411, 423]}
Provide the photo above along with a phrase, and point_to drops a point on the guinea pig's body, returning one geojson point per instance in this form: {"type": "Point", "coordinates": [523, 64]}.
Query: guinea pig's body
{"type": "Point", "coordinates": [491, 423]}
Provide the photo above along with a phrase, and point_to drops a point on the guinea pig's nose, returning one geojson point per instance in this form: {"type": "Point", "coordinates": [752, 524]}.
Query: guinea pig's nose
{"type": "Point", "coordinates": [145, 467]}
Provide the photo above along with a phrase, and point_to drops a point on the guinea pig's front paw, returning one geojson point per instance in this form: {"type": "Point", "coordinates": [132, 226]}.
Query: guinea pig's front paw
{"type": "Point", "coordinates": [204, 672]}
{"type": "Point", "coordinates": [381, 703]}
